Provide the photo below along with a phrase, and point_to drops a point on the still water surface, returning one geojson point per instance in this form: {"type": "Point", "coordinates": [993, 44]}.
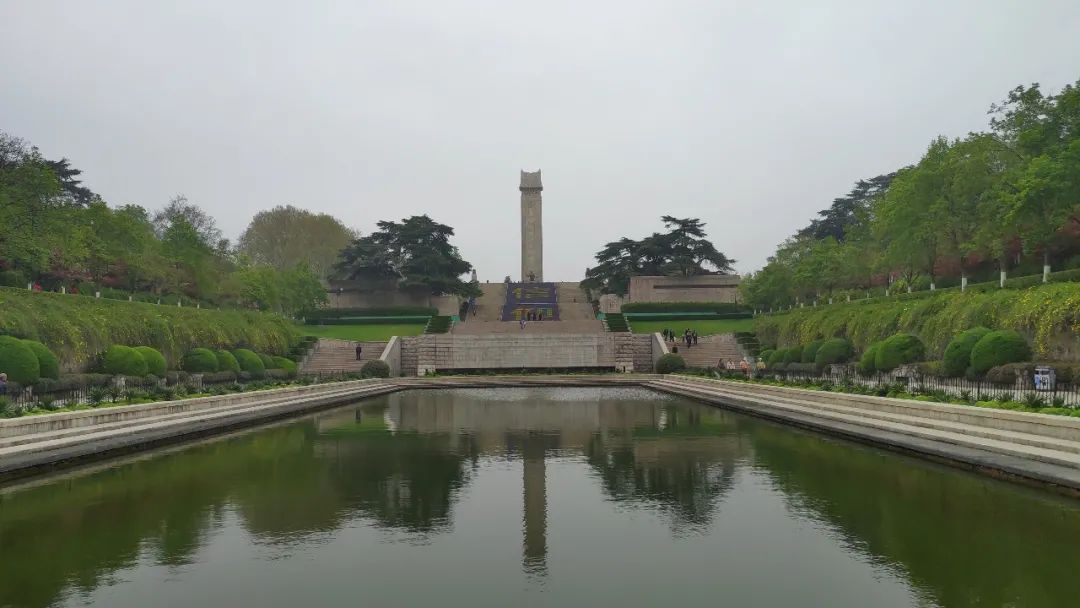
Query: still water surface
{"type": "Point", "coordinates": [532, 497]}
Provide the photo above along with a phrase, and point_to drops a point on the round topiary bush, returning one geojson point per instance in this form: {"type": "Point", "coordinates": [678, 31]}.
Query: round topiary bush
{"type": "Point", "coordinates": [155, 361]}
{"type": "Point", "coordinates": [226, 362]}
{"type": "Point", "coordinates": [18, 361]}
{"type": "Point", "coordinates": [285, 364]}
{"type": "Point", "coordinates": [775, 357]}
{"type": "Point", "coordinates": [249, 361]}
{"type": "Point", "coordinates": [957, 356]}
{"type": "Point", "coordinates": [898, 350]}
{"type": "Point", "coordinates": [670, 363]}
{"type": "Point", "coordinates": [809, 352]}
{"type": "Point", "coordinates": [123, 361]}
{"type": "Point", "coordinates": [48, 365]}
{"type": "Point", "coordinates": [200, 361]}
{"type": "Point", "coordinates": [833, 351]}
{"type": "Point", "coordinates": [765, 355]}
{"type": "Point", "coordinates": [793, 354]}
{"type": "Point", "coordinates": [998, 348]}
{"type": "Point", "coordinates": [268, 361]}
{"type": "Point", "coordinates": [866, 362]}
{"type": "Point", "coordinates": [379, 369]}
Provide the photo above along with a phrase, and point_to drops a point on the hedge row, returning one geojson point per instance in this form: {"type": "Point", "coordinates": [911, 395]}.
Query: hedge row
{"type": "Point", "coordinates": [76, 329]}
{"type": "Point", "coordinates": [718, 307]}
{"type": "Point", "coordinates": [1040, 312]}
{"type": "Point", "coordinates": [812, 357]}
{"type": "Point", "coordinates": [379, 311]}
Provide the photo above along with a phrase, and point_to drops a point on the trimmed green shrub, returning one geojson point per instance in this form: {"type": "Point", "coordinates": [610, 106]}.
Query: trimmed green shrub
{"type": "Point", "coordinates": [765, 355]}
{"type": "Point", "coordinates": [832, 351]}
{"type": "Point", "coordinates": [793, 354]}
{"type": "Point", "coordinates": [809, 352]}
{"type": "Point", "coordinates": [47, 362]}
{"type": "Point", "coordinates": [776, 357]}
{"type": "Point", "coordinates": [375, 369]}
{"type": "Point", "coordinates": [958, 353]}
{"type": "Point", "coordinates": [200, 361]}
{"type": "Point", "coordinates": [931, 368]}
{"type": "Point", "coordinates": [155, 361]}
{"type": "Point", "coordinates": [998, 348]}
{"type": "Point", "coordinates": [18, 361]}
{"type": "Point", "coordinates": [219, 377]}
{"type": "Point", "coordinates": [286, 364]}
{"type": "Point", "coordinates": [670, 363]}
{"type": "Point", "coordinates": [249, 361]}
{"type": "Point", "coordinates": [268, 361]}
{"type": "Point", "coordinates": [867, 363]}
{"type": "Point", "coordinates": [1006, 374]}
{"type": "Point", "coordinates": [122, 360]}
{"type": "Point", "coordinates": [226, 362]}
{"type": "Point", "coordinates": [898, 350]}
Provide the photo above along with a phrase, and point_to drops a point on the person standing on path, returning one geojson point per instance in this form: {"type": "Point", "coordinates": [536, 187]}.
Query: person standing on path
{"type": "Point", "coordinates": [3, 384]}
{"type": "Point", "coordinates": [359, 351]}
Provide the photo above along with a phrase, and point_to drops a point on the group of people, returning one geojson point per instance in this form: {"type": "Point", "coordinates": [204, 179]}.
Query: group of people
{"type": "Point", "coordinates": [689, 337]}
{"type": "Point", "coordinates": [533, 315]}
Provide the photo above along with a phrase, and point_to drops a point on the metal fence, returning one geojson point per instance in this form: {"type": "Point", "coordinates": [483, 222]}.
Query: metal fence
{"type": "Point", "coordinates": [119, 389]}
{"type": "Point", "coordinates": [1023, 390]}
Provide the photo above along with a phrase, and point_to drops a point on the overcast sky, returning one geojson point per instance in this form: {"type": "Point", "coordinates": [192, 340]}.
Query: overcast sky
{"type": "Point", "coordinates": [751, 115]}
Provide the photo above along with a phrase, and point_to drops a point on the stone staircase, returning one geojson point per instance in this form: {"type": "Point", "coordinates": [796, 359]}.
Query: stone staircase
{"type": "Point", "coordinates": [709, 350]}
{"type": "Point", "coordinates": [532, 327]}
{"type": "Point", "coordinates": [573, 303]}
{"type": "Point", "coordinates": [332, 356]}
{"type": "Point", "coordinates": [489, 306]}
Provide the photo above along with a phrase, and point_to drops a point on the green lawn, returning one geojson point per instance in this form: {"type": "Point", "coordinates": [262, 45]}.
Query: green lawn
{"type": "Point", "coordinates": [703, 327]}
{"type": "Point", "coordinates": [363, 333]}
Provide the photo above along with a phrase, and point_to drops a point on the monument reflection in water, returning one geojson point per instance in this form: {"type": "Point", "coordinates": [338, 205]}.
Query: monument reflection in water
{"type": "Point", "coordinates": [625, 497]}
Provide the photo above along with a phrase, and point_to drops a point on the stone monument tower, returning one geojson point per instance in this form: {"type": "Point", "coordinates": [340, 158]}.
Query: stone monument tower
{"type": "Point", "coordinates": [532, 230]}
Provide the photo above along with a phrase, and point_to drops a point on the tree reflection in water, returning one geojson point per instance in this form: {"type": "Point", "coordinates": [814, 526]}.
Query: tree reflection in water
{"type": "Point", "coordinates": [399, 463]}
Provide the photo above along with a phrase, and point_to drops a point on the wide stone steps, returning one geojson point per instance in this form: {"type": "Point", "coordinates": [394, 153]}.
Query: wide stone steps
{"type": "Point", "coordinates": [339, 356]}
{"type": "Point", "coordinates": [1035, 446]}
{"type": "Point", "coordinates": [709, 351]}
{"type": "Point", "coordinates": [573, 303]}
{"type": "Point", "coordinates": [531, 327]}
{"type": "Point", "coordinates": [489, 306]}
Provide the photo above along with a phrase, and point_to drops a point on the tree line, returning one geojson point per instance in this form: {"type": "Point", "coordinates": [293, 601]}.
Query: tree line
{"type": "Point", "coordinates": [55, 233]}
{"type": "Point", "coordinates": [1005, 200]}
{"type": "Point", "coordinates": [681, 250]}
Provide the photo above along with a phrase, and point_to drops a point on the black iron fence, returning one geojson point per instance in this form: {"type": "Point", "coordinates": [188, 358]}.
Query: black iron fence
{"type": "Point", "coordinates": [1022, 390]}
{"type": "Point", "coordinates": [99, 390]}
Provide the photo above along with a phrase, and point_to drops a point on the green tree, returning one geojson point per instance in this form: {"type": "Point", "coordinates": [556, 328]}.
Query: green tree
{"type": "Point", "coordinates": [683, 250]}
{"type": "Point", "coordinates": [415, 254]}
{"type": "Point", "coordinates": [283, 236]}
{"type": "Point", "coordinates": [1043, 132]}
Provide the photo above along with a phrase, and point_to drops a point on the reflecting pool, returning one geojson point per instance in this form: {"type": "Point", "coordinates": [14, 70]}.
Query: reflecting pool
{"type": "Point", "coordinates": [532, 497]}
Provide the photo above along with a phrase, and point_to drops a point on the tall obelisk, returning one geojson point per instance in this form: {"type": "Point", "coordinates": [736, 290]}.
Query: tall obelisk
{"type": "Point", "coordinates": [532, 230]}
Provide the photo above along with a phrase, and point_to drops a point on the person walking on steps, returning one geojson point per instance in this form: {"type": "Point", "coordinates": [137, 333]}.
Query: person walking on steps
{"type": "Point", "coordinates": [359, 351]}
